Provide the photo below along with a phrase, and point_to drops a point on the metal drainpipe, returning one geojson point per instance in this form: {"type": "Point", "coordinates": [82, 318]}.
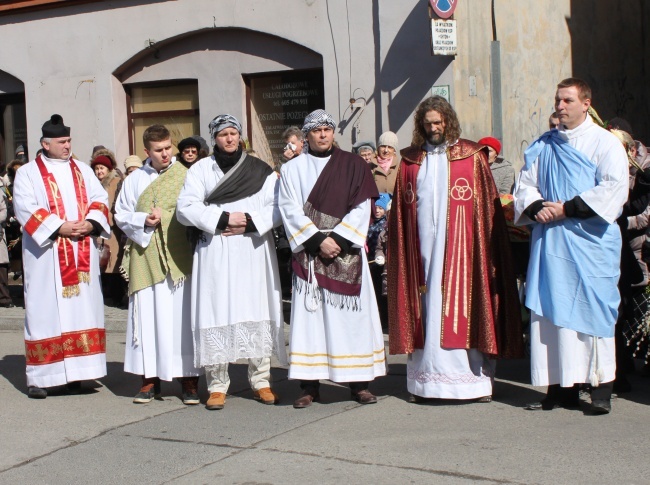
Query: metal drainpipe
{"type": "Point", "coordinates": [495, 82]}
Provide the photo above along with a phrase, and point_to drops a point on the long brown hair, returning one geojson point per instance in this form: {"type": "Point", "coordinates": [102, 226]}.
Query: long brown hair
{"type": "Point", "coordinates": [439, 104]}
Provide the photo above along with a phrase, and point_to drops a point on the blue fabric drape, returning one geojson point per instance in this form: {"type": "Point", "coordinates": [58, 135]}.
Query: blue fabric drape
{"type": "Point", "coordinates": [574, 263]}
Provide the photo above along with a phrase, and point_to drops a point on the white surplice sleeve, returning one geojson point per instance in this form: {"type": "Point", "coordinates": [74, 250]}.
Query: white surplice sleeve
{"type": "Point", "coordinates": [354, 226]}
{"type": "Point", "coordinates": [268, 216]}
{"type": "Point", "coordinates": [30, 210]}
{"type": "Point", "coordinates": [526, 192]}
{"type": "Point", "coordinates": [191, 209]}
{"type": "Point", "coordinates": [298, 226]}
{"type": "Point", "coordinates": [127, 219]}
{"type": "Point", "coordinates": [611, 192]}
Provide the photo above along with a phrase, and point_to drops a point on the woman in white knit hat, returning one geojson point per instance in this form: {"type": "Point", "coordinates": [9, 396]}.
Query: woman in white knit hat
{"type": "Point", "coordinates": [132, 163]}
{"type": "Point", "coordinates": [384, 168]}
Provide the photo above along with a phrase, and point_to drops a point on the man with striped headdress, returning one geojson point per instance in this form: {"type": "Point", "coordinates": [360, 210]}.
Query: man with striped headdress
{"type": "Point", "coordinates": [325, 201]}
{"type": "Point", "coordinates": [572, 189]}
{"type": "Point", "coordinates": [62, 208]}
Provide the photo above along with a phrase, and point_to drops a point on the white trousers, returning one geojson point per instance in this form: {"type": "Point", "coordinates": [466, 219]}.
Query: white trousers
{"type": "Point", "coordinates": [259, 375]}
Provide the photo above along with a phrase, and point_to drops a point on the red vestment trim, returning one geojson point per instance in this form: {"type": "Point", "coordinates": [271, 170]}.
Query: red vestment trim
{"type": "Point", "coordinates": [35, 221]}
{"type": "Point", "coordinates": [457, 275]}
{"type": "Point", "coordinates": [98, 206]}
{"type": "Point", "coordinates": [71, 271]}
{"type": "Point", "coordinates": [67, 345]}
{"type": "Point", "coordinates": [83, 249]}
{"type": "Point", "coordinates": [405, 271]}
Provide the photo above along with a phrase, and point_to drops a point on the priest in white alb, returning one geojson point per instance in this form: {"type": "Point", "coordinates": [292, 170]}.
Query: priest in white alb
{"type": "Point", "coordinates": [325, 201]}
{"type": "Point", "coordinates": [158, 260]}
{"type": "Point", "coordinates": [230, 198]}
{"type": "Point", "coordinates": [572, 189]}
{"type": "Point", "coordinates": [62, 208]}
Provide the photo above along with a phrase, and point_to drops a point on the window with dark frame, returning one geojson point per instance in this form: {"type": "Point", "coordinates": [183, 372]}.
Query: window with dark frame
{"type": "Point", "coordinates": [173, 104]}
{"type": "Point", "coordinates": [13, 125]}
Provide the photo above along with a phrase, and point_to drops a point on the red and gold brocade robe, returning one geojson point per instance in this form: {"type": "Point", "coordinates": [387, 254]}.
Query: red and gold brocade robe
{"type": "Point", "coordinates": [481, 308]}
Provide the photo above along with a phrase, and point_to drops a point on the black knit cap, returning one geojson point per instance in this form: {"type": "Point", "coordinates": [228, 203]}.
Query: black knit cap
{"type": "Point", "coordinates": [54, 128]}
{"type": "Point", "coordinates": [189, 142]}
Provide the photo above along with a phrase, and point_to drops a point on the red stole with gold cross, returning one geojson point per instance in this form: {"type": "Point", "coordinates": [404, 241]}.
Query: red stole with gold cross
{"type": "Point", "coordinates": [72, 271]}
{"type": "Point", "coordinates": [457, 275]}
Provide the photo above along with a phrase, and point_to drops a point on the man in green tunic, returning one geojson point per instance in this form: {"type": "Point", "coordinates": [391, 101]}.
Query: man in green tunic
{"type": "Point", "coordinates": [158, 260]}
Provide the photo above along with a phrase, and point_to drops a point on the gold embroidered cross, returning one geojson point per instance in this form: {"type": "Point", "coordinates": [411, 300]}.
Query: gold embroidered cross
{"type": "Point", "coordinates": [39, 352]}
{"type": "Point", "coordinates": [84, 343]}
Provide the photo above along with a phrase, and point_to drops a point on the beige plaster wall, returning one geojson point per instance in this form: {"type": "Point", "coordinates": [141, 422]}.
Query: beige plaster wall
{"type": "Point", "coordinates": [67, 64]}
{"type": "Point", "coordinates": [473, 60]}
{"type": "Point", "coordinates": [535, 56]}
{"type": "Point", "coordinates": [73, 60]}
{"type": "Point", "coordinates": [375, 49]}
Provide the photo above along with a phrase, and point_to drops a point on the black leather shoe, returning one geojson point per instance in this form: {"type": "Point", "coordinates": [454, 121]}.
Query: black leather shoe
{"type": "Point", "coordinates": [364, 397]}
{"type": "Point", "coordinates": [7, 305]}
{"type": "Point", "coordinates": [601, 406]}
{"type": "Point", "coordinates": [36, 392]}
{"type": "Point", "coordinates": [306, 398]}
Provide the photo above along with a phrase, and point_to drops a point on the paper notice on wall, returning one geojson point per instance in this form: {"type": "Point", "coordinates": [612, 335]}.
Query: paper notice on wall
{"type": "Point", "coordinates": [443, 37]}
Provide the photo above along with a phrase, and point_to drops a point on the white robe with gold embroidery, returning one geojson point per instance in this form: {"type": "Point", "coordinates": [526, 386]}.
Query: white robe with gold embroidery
{"type": "Point", "coordinates": [339, 344]}
{"type": "Point", "coordinates": [64, 337]}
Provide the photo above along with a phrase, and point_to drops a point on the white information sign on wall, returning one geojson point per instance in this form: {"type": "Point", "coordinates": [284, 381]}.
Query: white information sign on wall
{"type": "Point", "coordinates": [443, 37]}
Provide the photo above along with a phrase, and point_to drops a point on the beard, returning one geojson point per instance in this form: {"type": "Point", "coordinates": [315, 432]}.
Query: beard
{"type": "Point", "coordinates": [436, 138]}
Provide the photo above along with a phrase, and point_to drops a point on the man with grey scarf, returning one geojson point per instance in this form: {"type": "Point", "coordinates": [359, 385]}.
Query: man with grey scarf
{"type": "Point", "coordinates": [231, 197]}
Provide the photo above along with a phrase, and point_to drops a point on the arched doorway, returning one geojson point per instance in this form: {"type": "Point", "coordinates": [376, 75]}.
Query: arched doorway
{"type": "Point", "coordinates": [267, 82]}
{"type": "Point", "coordinates": [13, 119]}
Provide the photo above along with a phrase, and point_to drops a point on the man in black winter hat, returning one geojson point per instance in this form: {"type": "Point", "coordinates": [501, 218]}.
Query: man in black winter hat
{"type": "Point", "coordinates": [61, 206]}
